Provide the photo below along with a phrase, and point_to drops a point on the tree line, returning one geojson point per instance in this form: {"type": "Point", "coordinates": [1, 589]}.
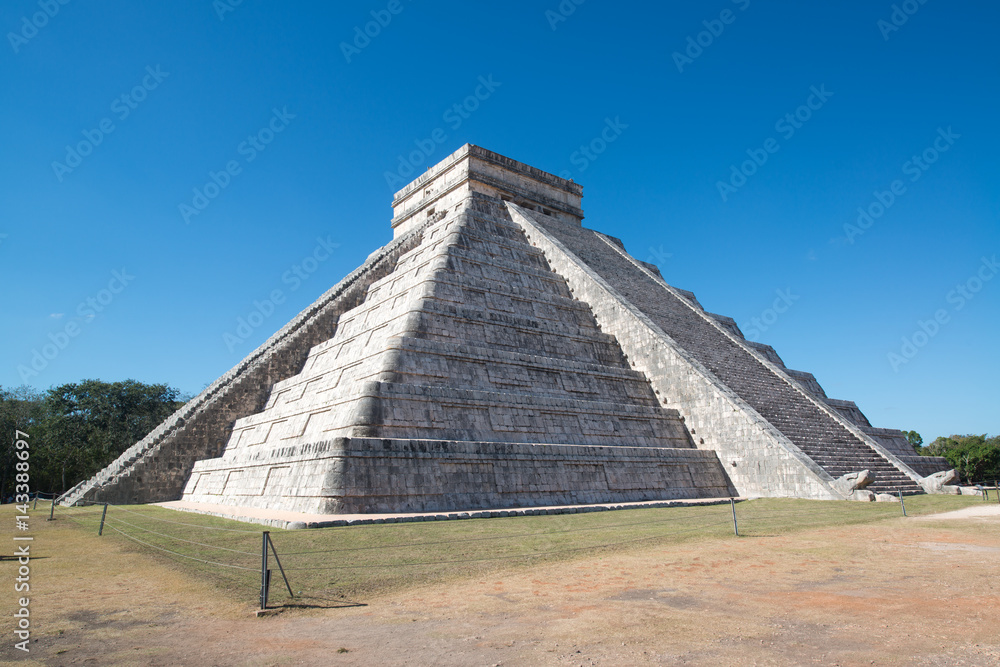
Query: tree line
{"type": "Point", "coordinates": [975, 457]}
{"type": "Point", "coordinates": [77, 429]}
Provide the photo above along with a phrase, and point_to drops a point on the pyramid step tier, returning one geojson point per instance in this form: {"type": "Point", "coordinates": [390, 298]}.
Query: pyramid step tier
{"type": "Point", "coordinates": [448, 413]}
{"type": "Point", "coordinates": [779, 399]}
{"type": "Point", "coordinates": [435, 362]}
{"type": "Point", "coordinates": [362, 475]}
{"type": "Point", "coordinates": [497, 353]}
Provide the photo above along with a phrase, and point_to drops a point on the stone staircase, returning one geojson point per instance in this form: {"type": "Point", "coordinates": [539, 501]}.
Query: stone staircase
{"type": "Point", "coordinates": [495, 354]}
{"type": "Point", "coordinates": [779, 400]}
{"type": "Point", "coordinates": [157, 467]}
{"type": "Point", "coordinates": [476, 344]}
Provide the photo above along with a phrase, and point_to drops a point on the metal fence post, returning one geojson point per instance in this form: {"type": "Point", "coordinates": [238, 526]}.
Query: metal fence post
{"type": "Point", "coordinates": [263, 571]}
{"type": "Point", "coordinates": [52, 510]}
{"type": "Point", "coordinates": [100, 531]}
{"type": "Point", "coordinates": [996, 486]}
{"type": "Point", "coordinates": [901, 504]}
{"type": "Point", "coordinates": [281, 569]}
{"type": "Point", "coordinates": [35, 506]}
{"type": "Point", "coordinates": [736, 527]}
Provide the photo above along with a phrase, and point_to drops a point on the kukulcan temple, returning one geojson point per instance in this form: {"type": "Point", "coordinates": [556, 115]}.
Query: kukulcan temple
{"type": "Point", "coordinates": [497, 354]}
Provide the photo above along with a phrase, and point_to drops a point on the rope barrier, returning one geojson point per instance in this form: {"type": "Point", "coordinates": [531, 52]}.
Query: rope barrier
{"type": "Point", "coordinates": [509, 556]}
{"type": "Point", "coordinates": [179, 539]}
{"type": "Point", "coordinates": [123, 508]}
{"type": "Point", "coordinates": [116, 523]}
{"type": "Point", "coordinates": [86, 513]}
{"type": "Point", "coordinates": [827, 515]}
{"type": "Point", "coordinates": [759, 514]}
{"type": "Point", "coordinates": [176, 553]}
{"type": "Point", "coordinates": [492, 537]}
{"type": "Point", "coordinates": [79, 523]}
{"type": "Point", "coordinates": [885, 510]}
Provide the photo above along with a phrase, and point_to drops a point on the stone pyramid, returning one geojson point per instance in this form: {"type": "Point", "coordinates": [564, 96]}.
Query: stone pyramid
{"type": "Point", "coordinates": [498, 354]}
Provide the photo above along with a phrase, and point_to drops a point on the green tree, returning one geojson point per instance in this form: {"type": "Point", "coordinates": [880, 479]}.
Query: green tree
{"type": "Point", "coordinates": [914, 439]}
{"type": "Point", "coordinates": [78, 428]}
{"type": "Point", "coordinates": [975, 457]}
{"type": "Point", "coordinates": [21, 409]}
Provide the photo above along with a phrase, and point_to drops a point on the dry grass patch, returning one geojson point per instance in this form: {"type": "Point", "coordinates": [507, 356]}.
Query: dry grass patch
{"type": "Point", "coordinates": [811, 582]}
{"type": "Point", "coordinates": [332, 566]}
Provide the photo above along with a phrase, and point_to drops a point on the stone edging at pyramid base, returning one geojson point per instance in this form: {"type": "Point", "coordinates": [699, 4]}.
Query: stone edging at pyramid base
{"type": "Point", "coordinates": [298, 520]}
{"type": "Point", "coordinates": [365, 475]}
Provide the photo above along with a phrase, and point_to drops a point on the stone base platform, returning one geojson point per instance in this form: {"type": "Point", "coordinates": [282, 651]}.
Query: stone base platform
{"type": "Point", "coordinates": [376, 475]}
{"type": "Point", "coordinates": [299, 520]}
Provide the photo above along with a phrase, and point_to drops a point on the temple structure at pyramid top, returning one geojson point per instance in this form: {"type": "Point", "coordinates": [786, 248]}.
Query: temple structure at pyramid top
{"type": "Point", "coordinates": [472, 169]}
{"type": "Point", "coordinates": [497, 353]}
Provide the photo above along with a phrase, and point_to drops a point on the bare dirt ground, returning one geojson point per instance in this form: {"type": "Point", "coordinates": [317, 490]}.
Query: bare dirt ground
{"type": "Point", "coordinates": [900, 592]}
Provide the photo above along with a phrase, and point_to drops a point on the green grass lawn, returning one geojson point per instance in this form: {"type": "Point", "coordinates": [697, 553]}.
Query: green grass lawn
{"type": "Point", "coordinates": [355, 562]}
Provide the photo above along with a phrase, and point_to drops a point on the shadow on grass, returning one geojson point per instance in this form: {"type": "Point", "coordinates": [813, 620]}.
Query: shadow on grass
{"type": "Point", "coordinates": [310, 602]}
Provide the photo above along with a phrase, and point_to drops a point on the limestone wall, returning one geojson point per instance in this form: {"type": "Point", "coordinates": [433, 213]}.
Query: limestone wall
{"type": "Point", "coordinates": [472, 168]}
{"type": "Point", "coordinates": [834, 441]}
{"type": "Point", "coordinates": [497, 353]}
{"type": "Point", "coordinates": [895, 441]}
{"type": "Point", "coordinates": [471, 339]}
{"type": "Point", "coordinates": [758, 459]}
{"type": "Point", "coordinates": [365, 475]}
{"type": "Point", "coordinates": [157, 467]}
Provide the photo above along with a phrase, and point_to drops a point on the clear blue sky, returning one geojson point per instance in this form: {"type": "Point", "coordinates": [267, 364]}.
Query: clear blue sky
{"type": "Point", "coordinates": [199, 80]}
